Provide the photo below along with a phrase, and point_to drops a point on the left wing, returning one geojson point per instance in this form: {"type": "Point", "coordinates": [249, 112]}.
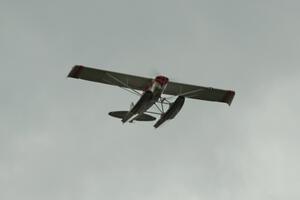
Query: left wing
{"type": "Point", "coordinates": [108, 77]}
{"type": "Point", "coordinates": [200, 92]}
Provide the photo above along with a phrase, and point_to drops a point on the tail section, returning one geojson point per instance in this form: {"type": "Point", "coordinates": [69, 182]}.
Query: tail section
{"type": "Point", "coordinates": [118, 114]}
{"type": "Point", "coordinates": [140, 117]}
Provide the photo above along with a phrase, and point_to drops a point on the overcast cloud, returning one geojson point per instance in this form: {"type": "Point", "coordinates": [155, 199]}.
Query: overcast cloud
{"type": "Point", "coordinates": [57, 141]}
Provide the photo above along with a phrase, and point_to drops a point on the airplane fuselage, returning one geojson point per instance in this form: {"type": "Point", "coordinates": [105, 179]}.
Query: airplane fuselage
{"type": "Point", "coordinates": [150, 96]}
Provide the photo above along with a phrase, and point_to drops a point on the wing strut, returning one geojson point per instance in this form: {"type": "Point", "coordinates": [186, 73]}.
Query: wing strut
{"type": "Point", "coordinates": [186, 93]}
{"type": "Point", "coordinates": [126, 87]}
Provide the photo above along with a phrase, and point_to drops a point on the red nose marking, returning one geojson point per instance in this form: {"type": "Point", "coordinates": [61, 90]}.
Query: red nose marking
{"type": "Point", "coordinates": [162, 80]}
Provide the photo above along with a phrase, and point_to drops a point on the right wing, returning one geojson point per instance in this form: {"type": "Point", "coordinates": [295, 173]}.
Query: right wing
{"type": "Point", "coordinates": [108, 77]}
{"type": "Point", "coordinates": [199, 92]}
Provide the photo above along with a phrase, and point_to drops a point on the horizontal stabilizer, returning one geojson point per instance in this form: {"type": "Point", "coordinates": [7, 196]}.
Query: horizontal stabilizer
{"type": "Point", "coordinates": [141, 117]}
{"type": "Point", "coordinates": [144, 117]}
{"type": "Point", "coordinates": [118, 114]}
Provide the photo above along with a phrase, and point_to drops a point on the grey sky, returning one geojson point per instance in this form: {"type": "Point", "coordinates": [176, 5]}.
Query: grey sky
{"type": "Point", "coordinates": [57, 141]}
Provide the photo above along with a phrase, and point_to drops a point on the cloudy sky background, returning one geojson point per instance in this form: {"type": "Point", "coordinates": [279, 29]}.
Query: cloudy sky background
{"type": "Point", "coordinates": [57, 141]}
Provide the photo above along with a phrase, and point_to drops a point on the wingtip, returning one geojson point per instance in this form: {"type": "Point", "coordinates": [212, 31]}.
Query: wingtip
{"type": "Point", "coordinates": [75, 71]}
{"type": "Point", "coordinates": [228, 98]}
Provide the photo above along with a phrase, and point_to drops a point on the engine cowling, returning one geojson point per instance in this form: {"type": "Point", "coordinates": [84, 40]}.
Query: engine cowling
{"type": "Point", "coordinates": [171, 112]}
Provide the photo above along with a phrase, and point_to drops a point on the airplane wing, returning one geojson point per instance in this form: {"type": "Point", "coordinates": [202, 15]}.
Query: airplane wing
{"type": "Point", "coordinates": [108, 77]}
{"type": "Point", "coordinates": [140, 83]}
{"type": "Point", "coordinates": [199, 92]}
